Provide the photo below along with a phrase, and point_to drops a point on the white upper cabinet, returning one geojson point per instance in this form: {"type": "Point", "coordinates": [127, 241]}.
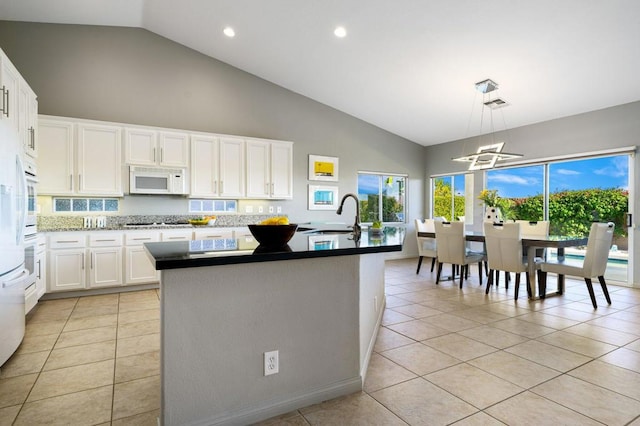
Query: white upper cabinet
{"type": "Point", "coordinates": [18, 105]}
{"type": "Point", "coordinates": [232, 167]}
{"type": "Point", "coordinates": [174, 149]}
{"type": "Point", "coordinates": [150, 147]}
{"type": "Point", "coordinates": [56, 166]}
{"type": "Point", "coordinates": [217, 166]}
{"type": "Point", "coordinates": [204, 166]}
{"type": "Point", "coordinates": [99, 160]}
{"type": "Point", "coordinates": [82, 158]}
{"type": "Point", "coordinates": [9, 86]}
{"type": "Point", "coordinates": [269, 169]}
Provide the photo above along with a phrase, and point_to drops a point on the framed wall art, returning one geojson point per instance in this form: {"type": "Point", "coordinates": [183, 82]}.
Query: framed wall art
{"type": "Point", "coordinates": [323, 168]}
{"type": "Point", "coordinates": [323, 197]}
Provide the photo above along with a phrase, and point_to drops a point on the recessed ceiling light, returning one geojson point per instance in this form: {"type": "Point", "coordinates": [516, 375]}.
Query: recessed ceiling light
{"type": "Point", "coordinates": [228, 31]}
{"type": "Point", "coordinates": [340, 32]}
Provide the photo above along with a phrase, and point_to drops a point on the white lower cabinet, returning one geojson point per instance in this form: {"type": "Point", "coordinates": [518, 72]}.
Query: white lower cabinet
{"type": "Point", "coordinates": [138, 267]}
{"type": "Point", "coordinates": [105, 259]}
{"type": "Point", "coordinates": [67, 256]}
{"type": "Point", "coordinates": [78, 260]}
{"type": "Point", "coordinates": [41, 265]}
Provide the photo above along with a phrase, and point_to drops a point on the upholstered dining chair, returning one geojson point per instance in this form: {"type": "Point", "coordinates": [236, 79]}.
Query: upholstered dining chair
{"type": "Point", "coordinates": [451, 248]}
{"type": "Point", "coordinates": [534, 229]}
{"type": "Point", "coordinates": [503, 242]}
{"type": "Point", "coordinates": [426, 246]}
{"type": "Point", "coordinates": [593, 265]}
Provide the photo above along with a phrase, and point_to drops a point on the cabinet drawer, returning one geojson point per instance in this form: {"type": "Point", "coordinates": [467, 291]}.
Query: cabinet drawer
{"type": "Point", "coordinates": [176, 235]}
{"type": "Point", "coordinates": [67, 240]}
{"type": "Point", "coordinates": [213, 234]}
{"type": "Point", "coordinates": [139, 238]}
{"type": "Point", "coordinates": [105, 239]}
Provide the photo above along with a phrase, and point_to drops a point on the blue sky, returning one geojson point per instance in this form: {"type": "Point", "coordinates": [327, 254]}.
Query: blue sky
{"type": "Point", "coordinates": [607, 172]}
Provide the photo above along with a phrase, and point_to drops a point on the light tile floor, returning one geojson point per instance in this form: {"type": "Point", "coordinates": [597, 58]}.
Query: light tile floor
{"type": "Point", "coordinates": [443, 356]}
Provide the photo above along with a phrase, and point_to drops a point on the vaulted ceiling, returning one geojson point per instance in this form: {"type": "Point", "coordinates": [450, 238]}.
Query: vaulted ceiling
{"type": "Point", "coordinates": [407, 66]}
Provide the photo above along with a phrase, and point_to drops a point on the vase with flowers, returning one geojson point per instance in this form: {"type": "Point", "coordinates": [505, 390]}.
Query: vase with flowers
{"type": "Point", "coordinates": [494, 206]}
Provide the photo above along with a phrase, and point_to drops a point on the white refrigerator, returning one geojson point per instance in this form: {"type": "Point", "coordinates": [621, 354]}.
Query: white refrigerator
{"type": "Point", "coordinates": [13, 203]}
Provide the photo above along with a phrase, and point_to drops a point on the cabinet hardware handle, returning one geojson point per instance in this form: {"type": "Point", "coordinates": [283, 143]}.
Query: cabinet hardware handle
{"type": "Point", "coordinates": [71, 182]}
{"type": "Point", "coordinates": [4, 102]}
{"type": "Point", "coordinates": [176, 238]}
{"type": "Point", "coordinates": [67, 241]}
{"type": "Point", "coordinates": [39, 270]}
{"type": "Point", "coordinates": [82, 260]}
{"type": "Point", "coordinates": [104, 241]}
{"type": "Point", "coordinates": [161, 155]}
{"type": "Point", "coordinates": [141, 239]}
{"type": "Point", "coordinates": [154, 155]}
{"type": "Point", "coordinates": [91, 260]}
{"type": "Point", "coordinates": [33, 137]}
{"type": "Point", "coordinates": [272, 188]}
{"type": "Point", "coordinates": [221, 187]}
{"type": "Point", "coordinates": [79, 181]}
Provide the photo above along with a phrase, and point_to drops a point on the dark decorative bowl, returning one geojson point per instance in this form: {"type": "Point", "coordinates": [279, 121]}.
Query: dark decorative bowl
{"type": "Point", "coordinates": [273, 235]}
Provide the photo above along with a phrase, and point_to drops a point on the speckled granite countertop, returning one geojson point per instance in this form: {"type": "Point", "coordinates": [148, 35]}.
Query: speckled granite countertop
{"type": "Point", "coordinates": [61, 223]}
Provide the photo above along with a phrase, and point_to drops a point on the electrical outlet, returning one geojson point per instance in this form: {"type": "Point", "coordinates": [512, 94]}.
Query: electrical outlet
{"type": "Point", "coordinates": [248, 209]}
{"type": "Point", "coordinates": [271, 363]}
{"type": "Point", "coordinates": [260, 209]}
{"type": "Point", "coordinates": [279, 209]}
{"type": "Point", "coordinates": [270, 209]}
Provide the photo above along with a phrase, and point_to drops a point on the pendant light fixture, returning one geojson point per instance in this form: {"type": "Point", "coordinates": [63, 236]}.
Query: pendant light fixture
{"type": "Point", "coordinates": [488, 155]}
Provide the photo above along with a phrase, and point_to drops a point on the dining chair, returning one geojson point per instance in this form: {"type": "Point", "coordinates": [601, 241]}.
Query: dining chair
{"type": "Point", "coordinates": [426, 246]}
{"type": "Point", "coordinates": [594, 263]}
{"type": "Point", "coordinates": [504, 252]}
{"type": "Point", "coordinates": [451, 248]}
{"type": "Point", "coordinates": [535, 229]}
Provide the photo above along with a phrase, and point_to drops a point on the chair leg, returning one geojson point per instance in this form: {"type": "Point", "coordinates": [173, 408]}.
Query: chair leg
{"type": "Point", "coordinates": [528, 281]}
{"type": "Point", "coordinates": [419, 264]}
{"type": "Point", "coordinates": [542, 283]}
{"type": "Point", "coordinates": [517, 285]}
{"type": "Point", "coordinates": [604, 288]}
{"type": "Point", "coordinates": [433, 262]}
{"type": "Point", "coordinates": [591, 294]}
{"type": "Point", "coordinates": [560, 284]}
{"type": "Point", "coordinates": [497, 278]}
{"type": "Point", "coordinates": [489, 280]}
{"type": "Point", "coordinates": [480, 271]}
{"type": "Point", "coordinates": [462, 272]}
{"type": "Point", "coordinates": [507, 278]}
{"type": "Point", "coordinates": [438, 273]}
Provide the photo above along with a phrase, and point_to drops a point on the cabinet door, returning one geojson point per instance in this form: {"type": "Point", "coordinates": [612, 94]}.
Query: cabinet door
{"type": "Point", "coordinates": [204, 166]}
{"type": "Point", "coordinates": [9, 83]}
{"type": "Point", "coordinates": [140, 146]}
{"type": "Point", "coordinates": [105, 267]}
{"type": "Point", "coordinates": [66, 270]}
{"type": "Point", "coordinates": [41, 273]}
{"type": "Point", "coordinates": [32, 126]}
{"type": "Point", "coordinates": [232, 169]}
{"type": "Point", "coordinates": [258, 170]}
{"type": "Point", "coordinates": [174, 149]}
{"type": "Point", "coordinates": [281, 170]}
{"type": "Point", "coordinates": [55, 171]}
{"type": "Point", "coordinates": [99, 160]}
{"type": "Point", "coordinates": [138, 266]}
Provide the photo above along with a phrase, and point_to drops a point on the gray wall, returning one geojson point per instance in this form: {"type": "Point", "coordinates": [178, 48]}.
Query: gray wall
{"type": "Point", "coordinates": [131, 75]}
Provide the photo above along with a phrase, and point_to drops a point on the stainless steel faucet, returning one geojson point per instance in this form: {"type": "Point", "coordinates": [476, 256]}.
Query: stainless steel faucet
{"type": "Point", "coordinates": [357, 229]}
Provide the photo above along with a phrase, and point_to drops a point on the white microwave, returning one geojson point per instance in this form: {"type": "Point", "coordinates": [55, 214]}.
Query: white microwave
{"type": "Point", "coordinates": [150, 180]}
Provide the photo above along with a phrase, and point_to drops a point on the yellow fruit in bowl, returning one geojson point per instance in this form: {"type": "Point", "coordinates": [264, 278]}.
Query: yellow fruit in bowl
{"type": "Point", "coordinates": [283, 221]}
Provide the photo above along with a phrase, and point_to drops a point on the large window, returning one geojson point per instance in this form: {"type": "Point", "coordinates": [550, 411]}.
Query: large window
{"type": "Point", "coordinates": [382, 197]}
{"type": "Point", "coordinates": [524, 186]}
{"type": "Point", "coordinates": [449, 197]}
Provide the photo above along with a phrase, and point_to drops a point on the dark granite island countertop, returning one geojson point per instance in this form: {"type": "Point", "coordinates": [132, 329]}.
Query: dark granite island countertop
{"type": "Point", "coordinates": [303, 245]}
{"type": "Point", "coordinates": [226, 304]}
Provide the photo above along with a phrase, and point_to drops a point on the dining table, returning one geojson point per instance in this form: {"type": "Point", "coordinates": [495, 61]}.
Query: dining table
{"type": "Point", "coordinates": [529, 245]}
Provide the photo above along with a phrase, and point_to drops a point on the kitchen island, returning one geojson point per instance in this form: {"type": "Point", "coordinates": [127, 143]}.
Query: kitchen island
{"type": "Point", "coordinates": [317, 301]}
